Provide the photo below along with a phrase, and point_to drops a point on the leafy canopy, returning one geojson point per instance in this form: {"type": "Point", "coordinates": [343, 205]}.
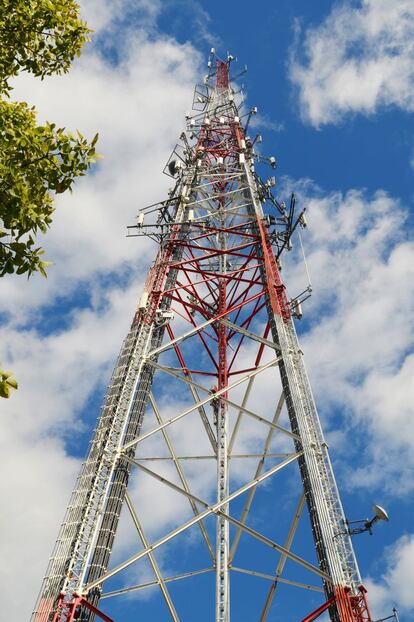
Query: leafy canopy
{"type": "Point", "coordinates": [41, 37]}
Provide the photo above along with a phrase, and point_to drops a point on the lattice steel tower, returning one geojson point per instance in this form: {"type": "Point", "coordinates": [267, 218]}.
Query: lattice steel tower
{"type": "Point", "coordinates": [193, 403]}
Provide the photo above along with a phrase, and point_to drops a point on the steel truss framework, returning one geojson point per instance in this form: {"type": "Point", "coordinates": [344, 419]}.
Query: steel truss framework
{"type": "Point", "coordinates": [212, 327]}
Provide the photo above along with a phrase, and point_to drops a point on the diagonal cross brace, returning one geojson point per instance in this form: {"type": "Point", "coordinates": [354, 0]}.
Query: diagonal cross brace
{"type": "Point", "coordinates": [210, 510]}
{"type": "Point", "coordinates": [152, 559]}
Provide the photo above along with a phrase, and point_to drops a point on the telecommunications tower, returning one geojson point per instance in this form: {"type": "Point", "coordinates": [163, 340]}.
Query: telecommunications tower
{"type": "Point", "coordinates": [193, 405]}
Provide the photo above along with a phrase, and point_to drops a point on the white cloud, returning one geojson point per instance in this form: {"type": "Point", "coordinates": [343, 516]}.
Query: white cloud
{"type": "Point", "coordinates": [358, 59]}
{"type": "Point", "coordinates": [361, 338]}
{"type": "Point", "coordinates": [38, 475]}
{"type": "Point", "coordinates": [394, 587]}
{"type": "Point", "coordinates": [359, 346]}
{"type": "Point", "coordinates": [263, 122]}
{"type": "Point", "coordinates": [105, 16]}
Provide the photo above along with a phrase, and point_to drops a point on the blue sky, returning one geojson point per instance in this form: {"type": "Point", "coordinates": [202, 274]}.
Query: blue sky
{"type": "Point", "coordinates": [334, 86]}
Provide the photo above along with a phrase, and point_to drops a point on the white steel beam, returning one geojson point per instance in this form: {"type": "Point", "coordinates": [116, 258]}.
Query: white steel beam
{"type": "Point", "coordinates": [241, 525]}
{"type": "Point", "coordinates": [152, 559]}
{"type": "Point", "coordinates": [210, 510]}
{"type": "Point", "coordinates": [231, 457]}
{"type": "Point", "coordinates": [201, 403]}
{"type": "Point", "coordinates": [259, 470]}
{"type": "Point", "coordinates": [283, 558]}
{"type": "Point", "coordinates": [181, 474]}
{"type": "Point", "coordinates": [142, 586]}
{"type": "Point", "coordinates": [185, 379]}
{"type": "Point", "coordinates": [269, 577]}
{"type": "Point", "coordinates": [250, 334]}
{"type": "Point", "coordinates": [239, 415]}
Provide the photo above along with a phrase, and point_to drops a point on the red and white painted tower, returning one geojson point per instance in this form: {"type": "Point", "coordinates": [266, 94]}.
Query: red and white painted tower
{"type": "Point", "coordinates": [194, 398]}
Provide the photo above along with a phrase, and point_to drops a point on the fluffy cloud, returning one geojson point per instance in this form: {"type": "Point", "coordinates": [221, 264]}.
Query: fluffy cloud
{"type": "Point", "coordinates": [360, 339]}
{"type": "Point", "coordinates": [358, 59]}
{"type": "Point", "coordinates": [395, 585]}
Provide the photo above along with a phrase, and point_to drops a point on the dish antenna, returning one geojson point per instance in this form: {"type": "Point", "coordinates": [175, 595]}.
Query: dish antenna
{"type": "Point", "coordinates": [367, 524]}
{"type": "Point", "coordinates": [173, 167]}
{"type": "Point", "coordinates": [380, 513]}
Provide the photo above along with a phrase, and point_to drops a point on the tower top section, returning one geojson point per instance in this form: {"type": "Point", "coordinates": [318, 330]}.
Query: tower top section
{"type": "Point", "coordinates": [222, 77]}
{"type": "Point", "coordinates": [220, 69]}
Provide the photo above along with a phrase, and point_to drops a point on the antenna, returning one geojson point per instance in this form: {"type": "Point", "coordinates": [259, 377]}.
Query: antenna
{"type": "Point", "coordinates": [367, 524]}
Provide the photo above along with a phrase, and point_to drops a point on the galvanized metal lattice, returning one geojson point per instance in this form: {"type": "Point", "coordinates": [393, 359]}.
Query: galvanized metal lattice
{"type": "Point", "coordinates": [214, 317]}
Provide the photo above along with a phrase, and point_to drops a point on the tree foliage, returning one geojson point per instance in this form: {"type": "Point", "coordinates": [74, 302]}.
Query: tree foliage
{"type": "Point", "coordinates": [39, 36]}
{"type": "Point", "coordinates": [36, 161]}
{"type": "Point", "coordinates": [7, 383]}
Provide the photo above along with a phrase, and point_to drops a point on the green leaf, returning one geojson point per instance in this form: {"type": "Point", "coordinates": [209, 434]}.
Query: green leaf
{"type": "Point", "coordinates": [4, 390]}
{"type": "Point", "coordinates": [12, 383]}
{"type": "Point", "coordinates": [7, 382]}
{"type": "Point", "coordinates": [42, 37]}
